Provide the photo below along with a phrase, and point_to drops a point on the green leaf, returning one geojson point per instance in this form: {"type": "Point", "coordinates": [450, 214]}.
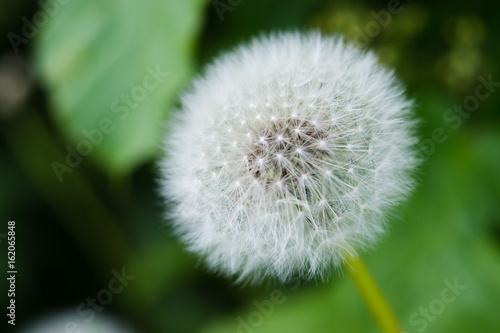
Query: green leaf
{"type": "Point", "coordinates": [93, 54]}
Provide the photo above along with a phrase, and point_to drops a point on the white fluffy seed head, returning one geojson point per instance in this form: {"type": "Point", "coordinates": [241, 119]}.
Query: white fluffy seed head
{"type": "Point", "coordinates": [59, 321]}
{"type": "Point", "coordinates": [285, 155]}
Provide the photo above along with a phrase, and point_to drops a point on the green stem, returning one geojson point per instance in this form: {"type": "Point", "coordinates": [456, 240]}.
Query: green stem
{"type": "Point", "coordinates": [372, 296]}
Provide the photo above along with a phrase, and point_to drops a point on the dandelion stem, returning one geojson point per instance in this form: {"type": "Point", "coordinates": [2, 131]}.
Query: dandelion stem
{"type": "Point", "coordinates": [372, 296]}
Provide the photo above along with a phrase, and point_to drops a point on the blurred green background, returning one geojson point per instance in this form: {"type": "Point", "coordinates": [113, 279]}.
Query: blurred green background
{"type": "Point", "coordinates": [102, 77]}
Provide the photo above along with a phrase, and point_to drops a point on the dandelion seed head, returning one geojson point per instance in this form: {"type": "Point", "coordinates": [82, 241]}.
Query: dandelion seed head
{"type": "Point", "coordinates": [59, 321]}
{"type": "Point", "coordinates": [325, 147]}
